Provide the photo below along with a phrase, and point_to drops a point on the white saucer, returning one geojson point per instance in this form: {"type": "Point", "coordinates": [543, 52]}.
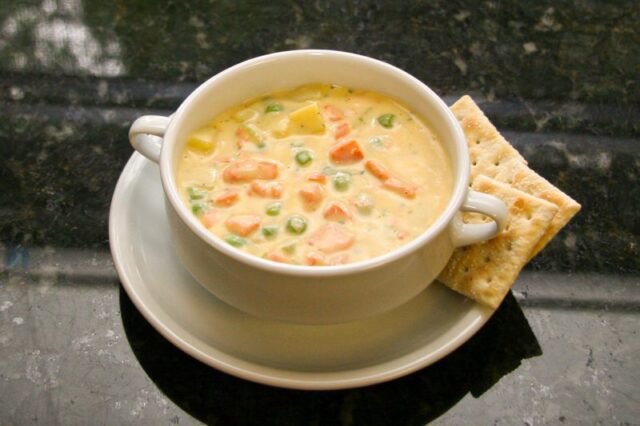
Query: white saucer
{"type": "Point", "coordinates": [294, 356]}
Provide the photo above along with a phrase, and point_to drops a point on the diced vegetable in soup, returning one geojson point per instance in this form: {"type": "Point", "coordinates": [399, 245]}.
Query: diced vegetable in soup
{"type": "Point", "coordinates": [318, 175]}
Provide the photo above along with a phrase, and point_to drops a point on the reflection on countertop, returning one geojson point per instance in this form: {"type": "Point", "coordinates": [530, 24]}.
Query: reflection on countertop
{"type": "Point", "coordinates": [559, 81]}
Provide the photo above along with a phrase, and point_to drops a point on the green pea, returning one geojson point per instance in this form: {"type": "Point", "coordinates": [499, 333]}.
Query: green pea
{"type": "Point", "coordinates": [198, 208]}
{"type": "Point", "coordinates": [270, 231]}
{"type": "Point", "coordinates": [273, 209]}
{"type": "Point", "coordinates": [296, 224]}
{"type": "Point", "coordinates": [196, 194]}
{"type": "Point", "coordinates": [386, 120]}
{"type": "Point", "coordinates": [341, 181]}
{"type": "Point", "coordinates": [274, 108]}
{"type": "Point", "coordinates": [303, 158]}
{"type": "Point", "coordinates": [235, 241]}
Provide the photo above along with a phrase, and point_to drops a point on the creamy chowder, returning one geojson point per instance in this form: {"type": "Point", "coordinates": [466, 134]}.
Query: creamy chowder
{"type": "Point", "coordinates": [317, 175]}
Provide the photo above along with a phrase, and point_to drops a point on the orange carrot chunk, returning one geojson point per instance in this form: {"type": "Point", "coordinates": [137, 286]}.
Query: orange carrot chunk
{"type": "Point", "coordinates": [266, 189]}
{"type": "Point", "coordinates": [345, 152]}
{"type": "Point", "coordinates": [342, 130]}
{"type": "Point", "coordinates": [378, 170]}
{"type": "Point", "coordinates": [209, 218]}
{"type": "Point", "coordinates": [243, 225]}
{"type": "Point", "coordinates": [389, 181]}
{"type": "Point", "coordinates": [336, 211]}
{"type": "Point", "coordinates": [331, 238]}
{"type": "Point", "coordinates": [248, 170]}
{"type": "Point", "coordinates": [317, 177]}
{"type": "Point", "coordinates": [311, 195]}
{"type": "Point", "coordinates": [399, 187]}
{"type": "Point", "coordinates": [277, 257]}
{"type": "Point", "coordinates": [314, 258]}
{"type": "Point", "coordinates": [227, 198]}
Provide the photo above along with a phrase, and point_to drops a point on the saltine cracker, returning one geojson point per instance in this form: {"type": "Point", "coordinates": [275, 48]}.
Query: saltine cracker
{"type": "Point", "coordinates": [485, 272]}
{"type": "Point", "coordinates": [491, 155]}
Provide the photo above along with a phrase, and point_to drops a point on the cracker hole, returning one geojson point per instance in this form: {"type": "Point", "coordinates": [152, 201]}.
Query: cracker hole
{"type": "Point", "coordinates": [489, 279]}
{"type": "Point", "coordinates": [487, 259]}
{"type": "Point", "coordinates": [466, 269]}
{"type": "Point", "coordinates": [528, 216]}
{"type": "Point", "coordinates": [497, 163]}
{"type": "Point", "coordinates": [475, 163]}
{"type": "Point", "coordinates": [477, 141]}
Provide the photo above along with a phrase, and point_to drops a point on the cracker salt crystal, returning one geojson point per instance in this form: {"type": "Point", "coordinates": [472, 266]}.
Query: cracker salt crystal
{"type": "Point", "coordinates": [491, 155]}
{"type": "Point", "coordinates": [485, 272]}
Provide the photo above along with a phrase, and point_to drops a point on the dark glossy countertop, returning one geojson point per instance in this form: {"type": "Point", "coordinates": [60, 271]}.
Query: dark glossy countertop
{"type": "Point", "coordinates": [561, 83]}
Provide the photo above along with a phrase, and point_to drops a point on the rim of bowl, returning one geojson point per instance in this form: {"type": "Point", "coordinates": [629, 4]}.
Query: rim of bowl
{"type": "Point", "coordinates": [455, 202]}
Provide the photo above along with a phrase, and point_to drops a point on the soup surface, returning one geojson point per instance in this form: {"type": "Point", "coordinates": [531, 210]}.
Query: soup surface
{"type": "Point", "coordinates": [317, 175]}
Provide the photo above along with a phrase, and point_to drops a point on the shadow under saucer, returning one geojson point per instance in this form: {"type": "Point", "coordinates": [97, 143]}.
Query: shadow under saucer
{"type": "Point", "coordinates": [215, 397]}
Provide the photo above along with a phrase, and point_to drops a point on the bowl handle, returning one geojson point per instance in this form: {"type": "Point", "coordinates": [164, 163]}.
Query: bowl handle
{"type": "Point", "coordinates": [142, 132]}
{"type": "Point", "coordinates": [464, 234]}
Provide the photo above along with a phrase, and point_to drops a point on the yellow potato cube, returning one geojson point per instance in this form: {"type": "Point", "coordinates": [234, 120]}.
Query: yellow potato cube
{"type": "Point", "coordinates": [203, 140]}
{"type": "Point", "coordinates": [310, 92]}
{"type": "Point", "coordinates": [306, 120]}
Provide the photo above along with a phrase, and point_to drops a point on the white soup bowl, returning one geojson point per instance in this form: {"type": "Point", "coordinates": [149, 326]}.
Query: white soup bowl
{"type": "Point", "coordinates": [308, 294]}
